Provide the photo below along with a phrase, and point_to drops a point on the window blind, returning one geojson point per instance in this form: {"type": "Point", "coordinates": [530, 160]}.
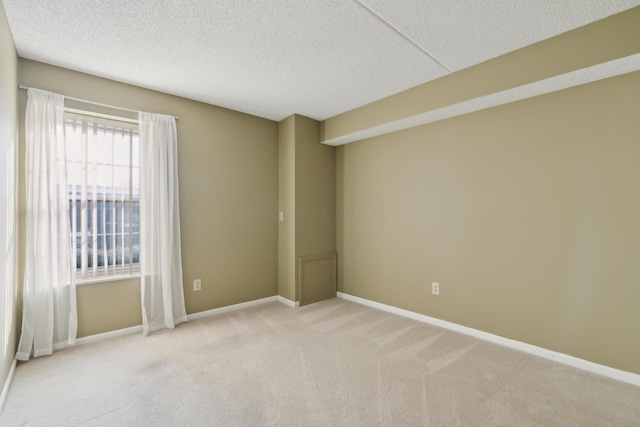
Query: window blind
{"type": "Point", "coordinates": [103, 182]}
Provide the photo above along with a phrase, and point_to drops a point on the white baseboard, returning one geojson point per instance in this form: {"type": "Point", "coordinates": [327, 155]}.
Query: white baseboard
{"type": "Point", "coordinates": [288, 302]}
{"type": "Point", "coordinates": [7, 384]}
{"type": "Point", "coordinates": [617, 374]}
{"type": "Point", "coordinates": [234, 307]}
{"type": "Point", "coordinates": [108, 335]}
{"type": "Point", "coordinates": [138, 329]}
{"type": "Point", "coordinates": [98, 337]}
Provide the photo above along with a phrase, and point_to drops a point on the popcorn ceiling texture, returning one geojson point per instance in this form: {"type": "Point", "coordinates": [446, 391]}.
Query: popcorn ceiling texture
{"type": "Point", "coordinates": [462, 33]}
{"type": "Point", "coordinates": [317, 58]}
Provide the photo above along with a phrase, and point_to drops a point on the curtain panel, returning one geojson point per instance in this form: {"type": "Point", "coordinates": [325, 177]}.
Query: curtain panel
{"type": "Point", "coordinates": [160, 254]}
{"type": "Point", "coordinates": [49, 293]}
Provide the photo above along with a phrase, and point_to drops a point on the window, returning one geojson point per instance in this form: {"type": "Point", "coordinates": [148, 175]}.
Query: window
{"type": "Point", "coordinates": [103, 182]}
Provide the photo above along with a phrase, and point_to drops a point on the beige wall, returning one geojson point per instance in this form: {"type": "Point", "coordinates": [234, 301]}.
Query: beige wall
{"type": "Point", "coordinates": [110, 306]}
{"type": "Point", "coordinates": [307, 199]}
{"type": "Point", "coordinates": [315, 193]}
{"type": "Point", "coordinates": [228, 173]}
{"type": "Point", "coordinates": [286, 205]}
{"type": "Point", "coordinates": [315, 190]}
{"type": "Point", "coordinates": [9, 323]}
{"type": "Point", "coordinates": [527, 215]}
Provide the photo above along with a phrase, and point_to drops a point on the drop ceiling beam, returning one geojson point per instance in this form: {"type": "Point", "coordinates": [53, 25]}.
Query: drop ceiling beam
{"type": "Point", "coordinates": [604, 41]}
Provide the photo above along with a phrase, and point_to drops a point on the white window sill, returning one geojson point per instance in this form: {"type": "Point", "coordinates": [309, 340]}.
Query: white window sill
{"type": "Point", "coordinates": [104, 279]}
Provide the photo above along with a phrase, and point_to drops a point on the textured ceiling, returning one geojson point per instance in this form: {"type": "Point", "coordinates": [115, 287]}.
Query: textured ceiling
{"type": "Point", "coordinates": [275, 58]}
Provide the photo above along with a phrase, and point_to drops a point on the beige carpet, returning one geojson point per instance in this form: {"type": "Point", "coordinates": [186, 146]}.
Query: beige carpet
{"type": "Point", "coordinates": [333, 363]}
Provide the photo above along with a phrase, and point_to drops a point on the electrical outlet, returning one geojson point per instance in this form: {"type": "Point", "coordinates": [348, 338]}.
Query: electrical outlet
{"type": "Point", "coordinates": [435, 288]}
{"type": "Point", "coordinates": [197, 285]}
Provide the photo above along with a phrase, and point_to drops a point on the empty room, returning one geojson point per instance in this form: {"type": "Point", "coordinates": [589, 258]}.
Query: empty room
{"type": "Point", "coordinates": [319, 213]}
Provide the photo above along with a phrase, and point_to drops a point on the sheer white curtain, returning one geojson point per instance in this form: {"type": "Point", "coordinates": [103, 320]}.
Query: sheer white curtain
{"type": "Point", "coordinates": [160, 255]}
{"type": "Point", "coordinates": [49, 292]}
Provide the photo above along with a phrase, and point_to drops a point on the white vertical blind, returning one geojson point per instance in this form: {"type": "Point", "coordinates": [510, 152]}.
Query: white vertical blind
{"type": "Point", "coordinates": [103, 177]}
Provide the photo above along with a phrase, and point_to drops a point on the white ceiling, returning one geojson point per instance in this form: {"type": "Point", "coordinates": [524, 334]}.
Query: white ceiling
{"type": "Point", "coordinates": [274, 58]}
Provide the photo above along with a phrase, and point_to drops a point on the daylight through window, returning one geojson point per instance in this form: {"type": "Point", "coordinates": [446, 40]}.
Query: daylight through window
{"type": "Point", "coordinates": [103, 183]}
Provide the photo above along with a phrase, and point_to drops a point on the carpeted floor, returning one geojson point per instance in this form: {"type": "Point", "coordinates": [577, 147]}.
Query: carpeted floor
{"type": "Point", "coordinates": [333, 363]}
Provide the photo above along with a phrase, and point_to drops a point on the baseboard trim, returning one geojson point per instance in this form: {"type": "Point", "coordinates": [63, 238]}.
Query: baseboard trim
{"type": "Point", "coordinates": [108, 335]}
{"type": "Point", "coordinates": [90, 339]}
{"type": "Point", "coordinates": [138, 329]}
{"type": "Point", "coordinates": [7, 384]}
{"type": "Point", "coordinates": [228, 308]}
{"type": "Point", "coordinates": [288, 302]}
{"type": "Point", "coordinates": [616, 374]}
